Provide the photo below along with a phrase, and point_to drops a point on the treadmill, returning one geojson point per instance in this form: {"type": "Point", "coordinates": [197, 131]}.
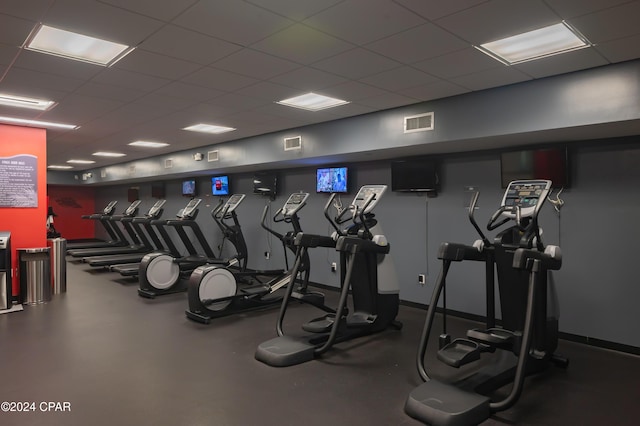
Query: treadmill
{"type": "Point", "coordinates": [134, 243]}
{"type": "Point", "coordinates": [116, 238]}
{"type": "Point", "coordinates": [112, 259]}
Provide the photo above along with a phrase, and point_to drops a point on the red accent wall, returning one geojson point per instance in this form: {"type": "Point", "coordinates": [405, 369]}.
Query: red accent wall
{"type": "Point", "coordinates": [28, 226]}
{"type": "Point", "coordinates": [69, 204]}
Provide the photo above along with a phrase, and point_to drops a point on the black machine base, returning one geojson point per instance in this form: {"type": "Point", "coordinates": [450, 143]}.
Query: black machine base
{"type": "Point", "coordinates": [437, 403]}
{"type": "Point", "coordinates": [151, 294]}
{"type": "Point", "coordinates": [285, 351]}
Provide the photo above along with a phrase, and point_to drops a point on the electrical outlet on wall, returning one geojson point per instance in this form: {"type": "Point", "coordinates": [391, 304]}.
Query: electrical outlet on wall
{"type": "Point", "coordinates": [422, 279]}
{"type": "Point", "coordinates": [267, 255]}
{"type": "Point", "coordinates": [334, 267]}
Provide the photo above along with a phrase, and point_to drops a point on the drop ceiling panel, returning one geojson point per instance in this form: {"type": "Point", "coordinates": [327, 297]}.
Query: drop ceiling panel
{"type": "Point", "coordinates": [302, 44]}
{"type": "Point", "coordinates": [399, 78]}
{"type": "Point", "coordinates": [357, 63]}
{"type": "Point", "coordinates": [109, 91]}
{"type": "Point", "coordinates": [416, 44]}
{"type": "Point", "coordinates": [491, 78]}
{"type": "Point", "coordinates": [18, 78]}
{"type": "Point", "coordinates": [55, 65]}
{"type": "Point", "coordinates": [268, 92]}
{"type": "Point", "coordinates": [610, 24]}
{"type": "Point", "coordinates": [14, 31]}
{"type": "Point", "coordinates": [7, 54]}
{"type": "Point", "coordinates": [192, 92]}
{"type": "Point", "coordinates": [498, 19]}
{"type": "Point", "coordinates": [79, 109]}
{"type": "Point", "coordinates": [255, 64]}
{"type": "Point", "coordinates": [150, 63]}
{"type": "Point", "coordinates": [296, 10]}
{"type": "Point", "coordinates": [353, 91]}
{"type": "Point", "coordinates": [572, 8]}
{"type": "Point", "coordinates": [31, 10]}
{"type": "Point", "coordinates": [455, 64]}
{"type": "Point", "coordinates": [101, 20]}
{"type": "Point", "coordinates": [192, 46]}
{"type": "Point", "coordinates": [434, 9]}
{"type": "Point", "coordinates": [130, 80]}
{"type": "Point", "coordinates": [218, 79]}
{"type": "Point", "coordinates": [623, 49]}
{"type": "Point", "coordinates": [233, 102]}
{"type": "Point", "coordinates": [163, 10]}
{"type": "Point", "coordinates": [437, 90]}
{"type": "Point", "coordinates": [356, 22]}
{"type": "Point", "coordinates": [308, 79]}
{"type": "Point", "coordinates": [235, 21]}
{"type": "Point", "coordinates": [385, 101]}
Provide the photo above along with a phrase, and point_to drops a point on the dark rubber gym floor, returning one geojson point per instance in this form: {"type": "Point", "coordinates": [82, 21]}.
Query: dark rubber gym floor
{"type": "Point", "coordinates": [119, 359]}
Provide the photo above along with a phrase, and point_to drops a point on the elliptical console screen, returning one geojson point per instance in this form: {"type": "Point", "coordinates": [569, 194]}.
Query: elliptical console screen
{"type": "Point", "coordinates": [233, 202]}
{"type": "Point", "coordinates": [294, 203]}
{"type": "Point", "coordinates": [525, 194]}
{"type": "Point", "coordinates": [365, 192]}
{"type": "Point", "coordinates": [189, 209]}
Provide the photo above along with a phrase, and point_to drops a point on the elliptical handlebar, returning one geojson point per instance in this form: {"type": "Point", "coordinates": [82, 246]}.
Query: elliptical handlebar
{"type": "Point", "coordinates": [326, 214]}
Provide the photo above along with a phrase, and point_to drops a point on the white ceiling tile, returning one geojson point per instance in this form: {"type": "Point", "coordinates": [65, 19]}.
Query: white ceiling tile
{"type": "Point", "coordinates": [14, 31]}
{"type": "Point", "coordinates": [399, 78]}
{"type": "Point", "coordinates": [560, 64]}
{"type": "Point", "coordinates": [56, 65]}
{"type": "Point", "coordinates": [101, 20]}
{"type": "Point", "coordinates": [363, 21]}
{"type": "Point", "coordinates": [356, 63]}
{"type": "Point", "coordinates": [163, 10]}
{"type": "Point", "coordinates": [188, 45]}
{"type": "Point", "coordinates": [623, 49]}
{"type": "Point", "coordinates": [234, 102]}
{"type": "Point", "coordinates": [296, 10]}
{"type": "Point", "coordinates": [494, 77]}
{"type": "Point", "coordinates": [255, 64]}
{"type": "Point", "coordinates": [267, 91]}
{"type": "Point", "coordinates": [416, 44]}
{"type": "Point", "coordinates": [20, 78]}
{"type": "Point", "coordinates": [387, 101]}
{"type": "Point", "coordinates": [231, 20]}
{"type": "Point", "coordinates": [434, 9]}
{"type": "Point", "coordinates": [128, 79]}
{"type": "Point", "coordinates": [610, 24]}
{"type": "Point", "coordinates": [302, 44]}
{"type": "Point", "coordinates": [189, 91]}
{"type": "Point", "coordinates": [150, 63]}
{"type": "Point", "coordinates": [8, 54]}
{"type": "Point", "coordinates": [79, 109]}
{"type": "Point", "coordinates": [31, 10]}
{"type": "Point", "coordinates": [436, 90]}
{"type": "Point", "coordinates": [108, 91]}
{"type": "Point", "coordinates": [458, 63]}
{"type": "Point", "coordinates": [497, 19]}
{"type": "Point", "coordinates": [353, 91]}
{"type": "Point", "coordinates": [308, 79]}
{"type": "Point", "coordinates": [572, 8]}
{"type": "Point", "coordinates": [218, 79]}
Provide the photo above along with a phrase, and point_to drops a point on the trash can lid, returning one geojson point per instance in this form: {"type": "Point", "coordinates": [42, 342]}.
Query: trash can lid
{"type": "Point", "coordinates": [34, 249]}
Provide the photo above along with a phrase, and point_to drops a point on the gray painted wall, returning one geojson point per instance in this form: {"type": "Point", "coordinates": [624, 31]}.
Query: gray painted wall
{"type": "Point", "coordinates": [597, 230]}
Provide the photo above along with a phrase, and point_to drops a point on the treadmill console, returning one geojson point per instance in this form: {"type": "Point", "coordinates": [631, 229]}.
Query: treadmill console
{"type": "Point", "coordinates": [294, 203]}
{"type": "Point", "coordinates": [131, 210]}
{"type": "Point", "coordinates": [155, 209]}
{"type": "Point", "coordinates": [232, 203]}
{"type": "Point", "coordinates": [363, 195]}
{"type": "Point", "coordinates": [110, 208]}
{"type": "Point", "coordinates": [525, 194]}
{"type": "Point", "coordinates": [189, 210]}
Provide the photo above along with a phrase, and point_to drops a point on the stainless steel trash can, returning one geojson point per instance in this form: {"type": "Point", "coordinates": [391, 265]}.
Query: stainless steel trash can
{"type": "Point", "coordinates": [58, 251]}
{"type": "Point", "coordinates": [35, 275]}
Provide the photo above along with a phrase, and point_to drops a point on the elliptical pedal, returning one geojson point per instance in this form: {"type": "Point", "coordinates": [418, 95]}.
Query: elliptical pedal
{"type": "Point", "coordinates": [461, 352]}
{"type": "Point", "coordinates": [493, 336]}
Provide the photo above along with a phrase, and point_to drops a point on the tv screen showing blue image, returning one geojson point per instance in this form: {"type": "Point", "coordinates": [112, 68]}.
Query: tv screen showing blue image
{"type": "Point", "coordinates": [220, 185]}
{"type": "Point", "coordinates": [189, 188]}
{"type": "Point", "coordinates": [332, 179]}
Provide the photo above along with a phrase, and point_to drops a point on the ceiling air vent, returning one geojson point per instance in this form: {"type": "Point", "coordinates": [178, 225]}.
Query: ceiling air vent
{"type": "Point", "coordinates": [132, 170]}
{"type": "Point", "coordinates": [292, 143]}
{"type": "Point", "coordinates": [168, 163]}
{"type": "Point", "coordinates": [213, 156]}
{"type": "Point", "coordinates": [103, 173]}
{"type": "Point", "coordinates": [418, 123]}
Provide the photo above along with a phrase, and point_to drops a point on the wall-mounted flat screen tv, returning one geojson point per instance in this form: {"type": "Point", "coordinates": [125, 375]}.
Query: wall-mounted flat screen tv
{"type": "Point", "coordinates": [332, 179]}
{"type": "Point", "coordinates": [220, 185]}
{"type": "Point", "coordinates": [414, 175]}
{"type": "Point", "coordinates": [189, 188]}
{"type": "Point", "coordinates": [265, 183]}
{"type": "Point", "coordinates": [157, 190]}
{"type": "Point", "coordinates": [547, 163]}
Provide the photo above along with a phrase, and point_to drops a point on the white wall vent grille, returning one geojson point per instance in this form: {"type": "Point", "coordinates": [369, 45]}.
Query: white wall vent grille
{"type": "Point", "coordinates": [213, 155]}
{"type": "Point", "coordinates": [292, 143]}
{"type": "Point", "coordinates": [418, 123]}
{"type": "Point", "coordinates": [103, 173]}
{"type": "Point", "coordinates": [168, 163]}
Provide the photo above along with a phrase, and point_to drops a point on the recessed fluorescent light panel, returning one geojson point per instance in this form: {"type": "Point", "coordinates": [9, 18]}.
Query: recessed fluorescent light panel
{"type": "Point", "coordinates": [108, 154]}
{"type": "Point", "coordinates": [22, 102]}
{"type": "Point", "coordinates": [37, 123]}
{"type": "Point", "coordinates": [149, 144]}
{"type": "Point", "coordinates": [80, 161]}
{"type": "Point", "coordinates": [58, 167]}
{"type": "Point", "coordinates": [312, 102]}
{"type": "Point", "coordinates": [209, 128]}
{"type": "Point", "coordinates": [66, 44]}
{"type": "Point", "coordinates": [536, 44]}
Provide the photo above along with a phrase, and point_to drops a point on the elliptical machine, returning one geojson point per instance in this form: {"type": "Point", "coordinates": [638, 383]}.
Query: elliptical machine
{"type": "Point", "coordinates": [365, 269]}
{"type": "Point", "coordinates": [162, 272]}
{"type": "Point", "coordinates": [215, 290]}
{"type": "Point", "coordinates": [527, 339]}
